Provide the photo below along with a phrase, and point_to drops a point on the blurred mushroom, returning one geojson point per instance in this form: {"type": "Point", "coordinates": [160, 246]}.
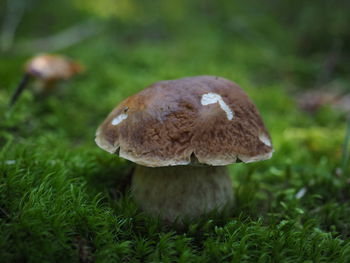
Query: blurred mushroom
{"type": "Point", "coordinates": [47, 70]}
{"type": "Point", "coordinates": [312, 101]}
{"type": "Point", "coordinates": [182, 134]}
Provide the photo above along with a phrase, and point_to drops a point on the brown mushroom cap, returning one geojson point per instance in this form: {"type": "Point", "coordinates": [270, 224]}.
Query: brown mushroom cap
{"type": "Point", "coordinates": [203, 119]}
{"type": "Point", "coordinates": [52, 67]}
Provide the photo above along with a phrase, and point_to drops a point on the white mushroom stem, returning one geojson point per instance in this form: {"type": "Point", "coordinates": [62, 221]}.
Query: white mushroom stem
{"type": "Point", "coordinates": [180, 192]}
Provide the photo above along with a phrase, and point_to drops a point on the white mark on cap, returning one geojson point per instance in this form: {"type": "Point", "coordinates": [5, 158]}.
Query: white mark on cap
{"type": "Point", "coordinates": [119, 119]}
{"type": "Point", "coordinates": [260, 157]}
{"type": "Point", "coordinates": [211, 98]}
{"type": "Point", "coordinates": [264, 139]}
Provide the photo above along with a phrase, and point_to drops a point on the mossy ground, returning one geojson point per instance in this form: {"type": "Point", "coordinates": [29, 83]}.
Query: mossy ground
{"type": "Point", "coordinates": [62, 199]}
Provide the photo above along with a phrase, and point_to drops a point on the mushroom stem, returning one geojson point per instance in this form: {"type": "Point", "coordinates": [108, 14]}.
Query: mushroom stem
{"type": "Point", "coordinates": [179, 192]}
{"type": "Point", "coordinates": [21, 86]}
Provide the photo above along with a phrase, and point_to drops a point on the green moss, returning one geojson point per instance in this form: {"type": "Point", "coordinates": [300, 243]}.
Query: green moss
{"type": "Point", "coordinates": [63, 199]}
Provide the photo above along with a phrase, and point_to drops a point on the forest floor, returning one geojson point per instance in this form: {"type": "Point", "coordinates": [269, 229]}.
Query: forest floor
{"type": "Point", "coordinates": [63, 198]}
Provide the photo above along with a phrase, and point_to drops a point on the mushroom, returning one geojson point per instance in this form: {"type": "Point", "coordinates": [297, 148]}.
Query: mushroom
{"type": "Point", "coordinates": [47, 70]}
{"type": "Point", "coordinates": [182, 134]}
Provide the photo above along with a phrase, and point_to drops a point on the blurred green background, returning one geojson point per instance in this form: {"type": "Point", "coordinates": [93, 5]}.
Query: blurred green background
{"type": "Point", "coordinates": [302, 43]}
{"type": "Point", "coordinates": [63, 198]}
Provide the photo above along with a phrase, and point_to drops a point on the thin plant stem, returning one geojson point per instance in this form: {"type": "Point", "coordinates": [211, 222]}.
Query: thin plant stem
{"type": "Point", "coordinates": [21, 86]}
{"type": "Point", "coordinates": [15, 10]}
{"type": "Point", "coordinates": [345, 160]}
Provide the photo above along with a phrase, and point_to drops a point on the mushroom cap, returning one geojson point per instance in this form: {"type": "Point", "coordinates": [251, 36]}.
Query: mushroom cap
{"type": "Point", "coordinates": [52, 67]}
{"type": "Point", "coordinates": [205, 119]}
